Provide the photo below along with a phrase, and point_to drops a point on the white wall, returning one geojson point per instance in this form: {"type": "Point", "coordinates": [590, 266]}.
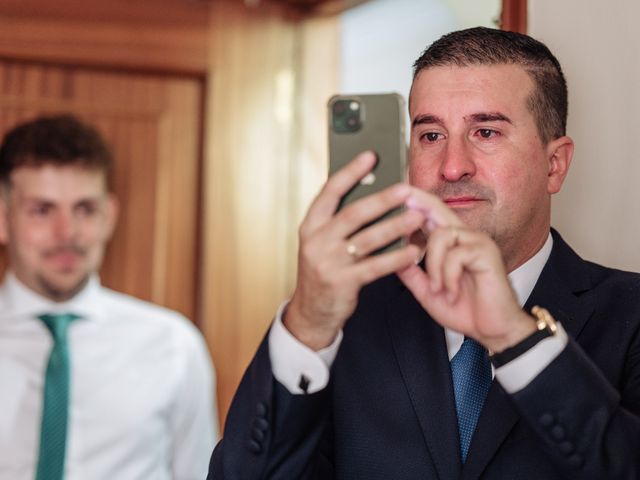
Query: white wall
{"type": "Point", "coordinates": [598, 210]}
{"type": "Point", "coordinates": [382, 38]}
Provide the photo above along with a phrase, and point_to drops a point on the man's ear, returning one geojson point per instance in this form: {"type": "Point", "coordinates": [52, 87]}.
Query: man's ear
{"type": "Point", "coordinates": [559, 154]}
{"type": "Point", "coordinates": [112, 211]}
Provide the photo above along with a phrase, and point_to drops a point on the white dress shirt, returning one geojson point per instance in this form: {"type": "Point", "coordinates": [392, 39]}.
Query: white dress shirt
{"type": "Point", "coordinates": [290, 359]}
{"type": "Point", "coordinates": [141, 397]}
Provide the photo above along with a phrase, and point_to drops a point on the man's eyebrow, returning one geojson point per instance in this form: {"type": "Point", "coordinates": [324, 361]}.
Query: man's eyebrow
{"type": "Point", "coordinates": [426, 120]}
{"type": "Point", "coordinates": [488, 117]}
{"type": "Point", "coordinates": [37, 198]}
{"type": "Point", "coordinates": [429, 119]}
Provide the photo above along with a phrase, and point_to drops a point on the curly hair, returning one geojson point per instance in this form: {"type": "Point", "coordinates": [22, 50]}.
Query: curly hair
{"type": "Point", "coordinates": [53, 140]}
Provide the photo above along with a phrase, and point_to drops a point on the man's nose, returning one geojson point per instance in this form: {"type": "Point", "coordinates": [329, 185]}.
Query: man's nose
{"type": "Point", "coordinates": [66, 226]}
{"type": "Point", "coordinates": [457, 161]}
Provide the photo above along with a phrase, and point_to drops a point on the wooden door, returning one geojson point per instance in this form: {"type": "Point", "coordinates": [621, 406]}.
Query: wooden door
{"type": "Point", "coordinates": [153, 123]}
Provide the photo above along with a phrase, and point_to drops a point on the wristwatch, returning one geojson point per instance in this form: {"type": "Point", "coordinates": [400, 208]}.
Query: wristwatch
{"type": "Point", "coordinates": [546, 327]}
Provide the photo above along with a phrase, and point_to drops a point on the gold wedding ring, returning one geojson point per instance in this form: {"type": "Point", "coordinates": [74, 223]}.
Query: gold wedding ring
{"type": "Point", "coordinates": [456, 236]}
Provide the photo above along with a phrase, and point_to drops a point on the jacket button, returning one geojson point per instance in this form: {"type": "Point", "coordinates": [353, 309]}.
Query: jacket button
{"type": "Point", "coordinates": [546, 419]}
{"type": "Point", "coordinates": [557, 432]}
{"type": "Point", "coordinates": [257, 435]}
{"type": "Point", "coordinates": [566, 447]}
{"type": "Point", "coordinates": [261, 409]}
{"type": "Point", "coordinates": [254, 447]}
{"type": "Point", "coordinates": [261, 424]}
{"type": "Point", "coordinates": [575, 460]}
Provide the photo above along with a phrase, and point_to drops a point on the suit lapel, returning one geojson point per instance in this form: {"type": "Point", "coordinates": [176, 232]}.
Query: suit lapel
{"type": "Point", "coordinates": [562, 280]}
{"type": "Point", "coordinates": [421, 352]}
{"type": "Point", "coordinates": [497, 419]}
{"type": "Point", "coordinates": [560, 287]}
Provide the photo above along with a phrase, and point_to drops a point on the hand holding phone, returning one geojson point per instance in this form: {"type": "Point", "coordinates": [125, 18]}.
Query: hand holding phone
{"type": "Point", "coordinates": [369, 122]}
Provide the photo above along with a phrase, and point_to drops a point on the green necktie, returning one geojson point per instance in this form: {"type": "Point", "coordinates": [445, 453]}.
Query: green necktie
{"type": "Point", "coordinates": [55, 406]}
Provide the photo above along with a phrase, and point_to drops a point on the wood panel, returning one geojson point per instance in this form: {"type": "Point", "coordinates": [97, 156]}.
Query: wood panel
{"type": "Point", "coordinates": [260, 172]}
{"type": "Point", "coordinates": [153, 124]}
{"type": "Point", "coordinates": [143, 34]}
{"type": "Point", "coordinates": [246, 200]}
{"type": "Point", "coordinates": [514, 16]}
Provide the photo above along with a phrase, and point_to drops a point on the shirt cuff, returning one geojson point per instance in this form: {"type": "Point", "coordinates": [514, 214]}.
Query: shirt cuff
{"type": "Point", "coordinates": [292, 361]}
{"type": "Point", "coordinates": [520, 371]}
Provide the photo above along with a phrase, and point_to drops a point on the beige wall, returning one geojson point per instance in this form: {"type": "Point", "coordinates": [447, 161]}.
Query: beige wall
{"type": "Point", "coordinates": [598, 210]}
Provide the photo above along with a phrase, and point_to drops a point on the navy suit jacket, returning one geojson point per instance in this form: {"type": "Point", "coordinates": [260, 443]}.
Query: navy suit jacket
{"type": "Point", "coordinates": [388, 411]}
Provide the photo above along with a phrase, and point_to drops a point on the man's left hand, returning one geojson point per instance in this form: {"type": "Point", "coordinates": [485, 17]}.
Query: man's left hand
{"type": "Point", "coordinates": [465, 286]}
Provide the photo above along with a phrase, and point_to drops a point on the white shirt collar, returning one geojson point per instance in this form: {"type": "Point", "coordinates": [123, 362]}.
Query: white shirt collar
{"type": "Point", "coordinates": [523, 279]}
{"type": "Point", "coordinates": [18, 300]}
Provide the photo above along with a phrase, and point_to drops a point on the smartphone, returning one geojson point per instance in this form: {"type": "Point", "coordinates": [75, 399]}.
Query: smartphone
{"type": "Point", "coordinates": [369, 122]}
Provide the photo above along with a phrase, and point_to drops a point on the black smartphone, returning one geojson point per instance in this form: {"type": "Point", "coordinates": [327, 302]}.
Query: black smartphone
{"type": "Point", "coordinates": [369, 122]}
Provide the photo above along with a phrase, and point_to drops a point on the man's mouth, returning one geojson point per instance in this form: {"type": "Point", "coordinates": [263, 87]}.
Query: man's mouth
{"type": "Point", "coordinates": [65, 257]}
{"type": "Point", "coordinates": [462, 201]}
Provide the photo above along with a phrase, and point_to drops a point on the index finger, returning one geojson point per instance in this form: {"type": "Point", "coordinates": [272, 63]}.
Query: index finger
{"type": "Point", "coordinates": [436, 213]}
{"type": "Point", "coordinates": [326, 202]}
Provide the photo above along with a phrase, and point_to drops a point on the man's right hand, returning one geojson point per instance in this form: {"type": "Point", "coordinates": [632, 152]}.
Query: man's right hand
{"type": "Point", "coordinates": [333, 257]}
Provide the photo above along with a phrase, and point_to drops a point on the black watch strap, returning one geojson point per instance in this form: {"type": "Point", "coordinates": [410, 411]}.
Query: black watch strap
{"type": "Point", "coordinates": [546, 327]}
{"type": "Point", "coordinates": [502, 358]}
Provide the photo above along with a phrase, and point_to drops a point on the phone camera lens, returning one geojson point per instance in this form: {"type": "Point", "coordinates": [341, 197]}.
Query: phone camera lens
{"type": "Point", "coordinates": [339, 108]}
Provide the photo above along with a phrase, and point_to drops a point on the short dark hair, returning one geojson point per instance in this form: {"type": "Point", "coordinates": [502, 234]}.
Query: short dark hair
{"type": "Point", "coordinates": [59, 140]}
{"type": "Point", "coordinates": [487, 46]}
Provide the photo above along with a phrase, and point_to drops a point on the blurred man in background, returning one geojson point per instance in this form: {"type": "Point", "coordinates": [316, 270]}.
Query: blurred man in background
{"type": "Point", "coordinates": [94, 384]}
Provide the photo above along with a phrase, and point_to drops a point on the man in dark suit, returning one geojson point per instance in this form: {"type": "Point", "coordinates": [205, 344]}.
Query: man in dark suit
{"type": "Point", "coordinates": [378, 368]}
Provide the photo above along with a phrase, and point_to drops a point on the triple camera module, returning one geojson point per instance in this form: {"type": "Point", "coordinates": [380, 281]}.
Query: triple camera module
{"type": "Point", "coordinates": [346, 115]}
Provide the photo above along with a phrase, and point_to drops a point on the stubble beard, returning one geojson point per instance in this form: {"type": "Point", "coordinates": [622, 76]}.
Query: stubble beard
{"type": "Point", "coordinates": [58, 293]}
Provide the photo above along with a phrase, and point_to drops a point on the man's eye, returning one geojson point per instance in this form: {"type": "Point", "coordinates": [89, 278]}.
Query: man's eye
{"type": "Point", "coordinates": [487, 133]}
{"type": "Point", "coordinates": [431, 136]}
{"type": "Point", "coordinates": [40, 210]}
{"type": "Point", "coordinates": [86, 210]}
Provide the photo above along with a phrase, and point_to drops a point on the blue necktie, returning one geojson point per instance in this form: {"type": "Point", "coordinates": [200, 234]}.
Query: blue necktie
{"type": "Point", "coordinates": [55, 405]}
{"type": "Point", "coordinates": [471, 373]}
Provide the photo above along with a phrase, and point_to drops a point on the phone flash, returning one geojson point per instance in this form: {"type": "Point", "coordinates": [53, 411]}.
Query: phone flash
{"type": "Point", "coordinates": [353, 106]}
